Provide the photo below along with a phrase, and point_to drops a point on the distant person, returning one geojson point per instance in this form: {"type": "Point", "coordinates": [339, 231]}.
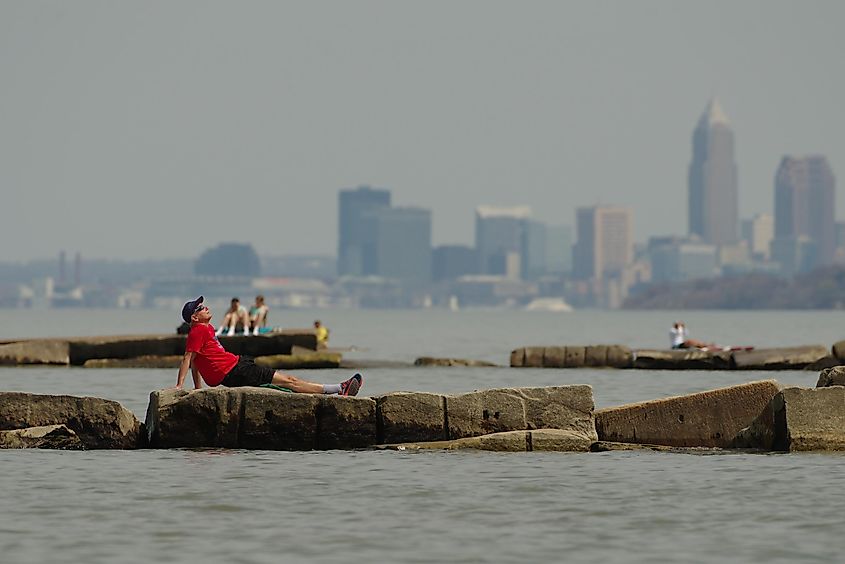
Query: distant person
{"type": "Point", "coordinates": [679, 338]}
{"type": "Point", "coordinates": [258, 315]}
{"type": "Point", "coordinates": [234, 315]}
{"type": "Point", "coordinates": [210, 362]}
{"type": "Point", "coordinates": [322, 335]}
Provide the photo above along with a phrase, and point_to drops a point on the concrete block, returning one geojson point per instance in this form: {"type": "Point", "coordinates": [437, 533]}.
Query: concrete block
{"type": "Point", "coordinates": [518, 358]}
{"type": "Point", "coordinates": [272, 423]}
{"type": "Point", "coordinates": [534, 357]}
{"type": "Point", "coordinates": [346, 422]}
{"type": "Point", "coordinates": [619, 356]}
{"type": "Point", "coordinates": [512, 409]}
{"type": "Point", "coordinates": [707, 419]}
{"type": "Point", "coordinates": [800, 419]}
{"type": "Point", "coordinates": [574, 357]}
{"type": "Point", "coordinates": [595, 355]}
{"type": "Point", "coordinates": [411, 417]}
{"type": "Point", "coordinates": [554, 357]}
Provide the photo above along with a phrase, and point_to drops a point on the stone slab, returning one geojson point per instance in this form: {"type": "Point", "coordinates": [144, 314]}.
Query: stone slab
{"type": "Point", "coordinates": [681, 359]}
{"type": "Point", "coordinates": [706, 419]}
{"type": "Point", "coordinates": [432, 361]}
{"type": "Point", "coordinates": [36, 351]}
{"type": "Point", "coordinates": [619, 356]}
{"type": "Point", "coordinates": [540, 440]}
{"type": "Point", "coordinates": [792, 358]}
{"type": "Point", "coordinates": [512, 409]}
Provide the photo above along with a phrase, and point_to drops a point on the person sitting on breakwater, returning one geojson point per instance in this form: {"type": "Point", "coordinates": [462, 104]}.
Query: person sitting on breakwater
{"type": "Point", "coordinates": [258, 314]}
{"type": "Point", "coordinates": [678, 336]}
{"type": "Point", "coordinates": [234, 315]}
{"type": "Point", "coordinates": [210, 362]}
{"type": "Point", "coordinates": [322, 335]}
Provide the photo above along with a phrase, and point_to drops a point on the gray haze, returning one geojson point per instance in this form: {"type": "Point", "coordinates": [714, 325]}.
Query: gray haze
{"type": "Point", "coordinates": [158, 129]}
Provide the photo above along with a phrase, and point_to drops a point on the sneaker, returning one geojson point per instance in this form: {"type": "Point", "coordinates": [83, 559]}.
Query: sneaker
{"type": "Point", "coordinates": [350, 387]}
{"type": "Point", "coordinates": [255, 331]}
{"type": "Point", "coordinates": [231, 332]}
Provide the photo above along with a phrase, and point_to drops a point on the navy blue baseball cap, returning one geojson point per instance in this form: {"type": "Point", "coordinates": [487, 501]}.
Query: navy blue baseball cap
{"type": "Point", "coordinates": [189, 308]}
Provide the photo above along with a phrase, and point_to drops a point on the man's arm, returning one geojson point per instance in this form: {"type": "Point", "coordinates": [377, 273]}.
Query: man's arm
{"type": "Point", "coordinates": [183, 369]}
{"type": "Point", "coordinates": [195, 373]}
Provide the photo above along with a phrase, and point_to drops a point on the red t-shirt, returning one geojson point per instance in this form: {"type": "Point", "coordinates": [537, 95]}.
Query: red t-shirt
{"type": "Point", "coordinates": [211, 359]}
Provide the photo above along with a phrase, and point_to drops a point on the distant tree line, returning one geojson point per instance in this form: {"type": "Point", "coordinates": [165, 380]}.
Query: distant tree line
{"type": "Point", "coordinates": [820, 289]}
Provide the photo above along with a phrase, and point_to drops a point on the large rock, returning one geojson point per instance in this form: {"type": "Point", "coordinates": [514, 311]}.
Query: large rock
{"type": "Point", "coordinates": [831, 377]}
{"type": "Point", "coordinates": [259, 418]}
{"type": "Point", "coordinates": [792, 358]}
{"type": "Point", "coordinates": [706, 419]}
{"type": "Point", "coordinates": [838, 350]}
{"type": "Point", "coordinates": [99, 423]}
{"type": "Point", "coordinates": [513, 409]}
{"type": "Point", "coordinates": [547, 440]}
{"type": "Point", "coordinates": [57, 437]}
{"type": "Point", "coordinates": [799, 419]}
{"type": "Point", "coordinates": [36, 351]}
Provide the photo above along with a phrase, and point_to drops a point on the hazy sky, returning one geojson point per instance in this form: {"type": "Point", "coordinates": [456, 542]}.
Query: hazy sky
{"type": "Point", "coordinates": [158, 129]}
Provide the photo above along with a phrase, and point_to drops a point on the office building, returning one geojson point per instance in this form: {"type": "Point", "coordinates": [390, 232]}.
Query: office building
{"type": "Point", "coordinates": [403, 243]}
{"type": "Point", "coordinates": [758, 232]}
{"type": "Point", "coordinates": [356, 253]}
{"type": "Point", "coordinates": [805, 204]}
{"type": "Point", "coordinates": [449, 262]}
{"type": "Point", "coordinates": [499, 238]}
{"type": "Point", "coordinates": [713, 197]}
{"type": "Point", "coordinates": [604, 245]}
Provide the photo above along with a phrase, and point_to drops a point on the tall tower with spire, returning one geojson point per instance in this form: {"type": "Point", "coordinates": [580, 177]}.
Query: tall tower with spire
{"type": "Point", "coordinates": [713, 196]}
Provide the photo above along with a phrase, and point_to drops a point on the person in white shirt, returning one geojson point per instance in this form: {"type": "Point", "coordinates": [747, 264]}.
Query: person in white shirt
{"type": "Point", "coordinates": [678, 337]}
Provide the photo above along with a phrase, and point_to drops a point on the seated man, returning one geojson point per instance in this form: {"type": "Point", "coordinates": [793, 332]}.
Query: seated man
{"type": "Point", "coordinates": [678, 336]}
{"type": "Point", "coordinates": [258, 314]}
{"type": "Point", "coordinates": [236, 314]}
{"type": "Point", "coordinates": [208, 361]}
{"type": "Point", "coordinates": [322, 335]}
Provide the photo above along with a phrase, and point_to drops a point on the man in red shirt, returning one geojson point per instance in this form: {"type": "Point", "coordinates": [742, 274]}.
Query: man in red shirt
{"type": "Point", "coordinates": [209, 361]}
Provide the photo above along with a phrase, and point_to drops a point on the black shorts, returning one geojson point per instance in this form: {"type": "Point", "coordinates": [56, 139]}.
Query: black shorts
{"type": "Point", "coordinates": [247, 373]}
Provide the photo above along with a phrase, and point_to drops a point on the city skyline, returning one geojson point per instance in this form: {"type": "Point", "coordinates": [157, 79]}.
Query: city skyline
{"type": "Point", "coordinates": [120, 120]}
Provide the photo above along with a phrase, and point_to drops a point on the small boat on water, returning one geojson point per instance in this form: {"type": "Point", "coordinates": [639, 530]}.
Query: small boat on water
{"type": "Point", "coordinates": [549, 304]}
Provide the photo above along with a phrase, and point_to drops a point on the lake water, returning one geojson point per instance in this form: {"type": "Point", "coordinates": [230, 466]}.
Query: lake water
{"type": "Point", "coordinates": [350, 506]}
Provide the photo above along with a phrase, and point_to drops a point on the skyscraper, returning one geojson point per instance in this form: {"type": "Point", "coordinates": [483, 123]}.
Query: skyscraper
{"type": "Point", "coordinates": [713, 198]}
{"type": "Point", "coordinates": [605, 241]}
{"type": "Point", "coordinates": [356, 253]}
{"type": "Point", "coordinates": [499, 236]}
{"type": "Point", "coordinates": [805, 198]}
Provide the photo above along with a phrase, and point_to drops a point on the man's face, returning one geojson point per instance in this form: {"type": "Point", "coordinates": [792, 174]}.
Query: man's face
{"type": "Point", "coordinates": [202, 314]}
